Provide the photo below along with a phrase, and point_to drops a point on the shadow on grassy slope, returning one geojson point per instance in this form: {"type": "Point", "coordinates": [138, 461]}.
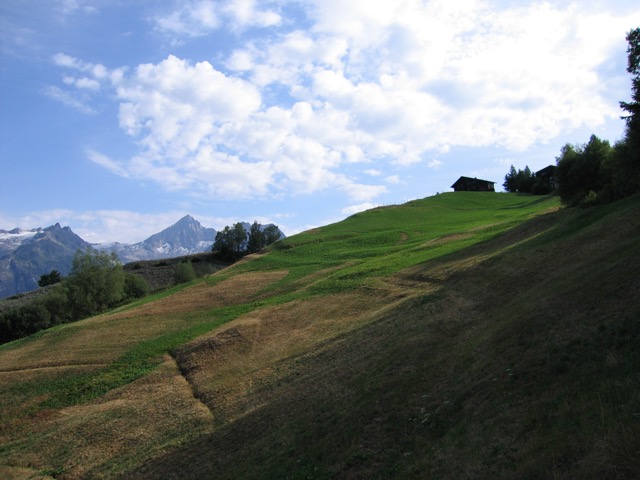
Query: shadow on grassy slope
{"type": "Point", "coordinates": [524, 364]}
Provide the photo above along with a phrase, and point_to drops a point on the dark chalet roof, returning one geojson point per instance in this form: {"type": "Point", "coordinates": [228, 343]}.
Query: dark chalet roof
{"type": "Point", "coordinates": [546, 172]}
{"type": "Point", "coordinates": [468, 184]}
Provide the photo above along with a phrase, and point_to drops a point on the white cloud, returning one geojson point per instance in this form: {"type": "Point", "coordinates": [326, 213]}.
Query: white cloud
{"type": "Point", "coordinates": [73, 6]}
{"type": "Point", "coordinates": [198, 18]}
{"type": "Point", "coordinates": [193, 20]}
{"type": "Point", "coordinates": [175, 105]}
{"type": "Point", "coordinates": [80, 91]}
{"type": "Point", "coordinates": [67, 61]}
{"type": "Point", "coordinates": [83, 83]}
{"type": "Point", "coordinates": [393, 180]}
{"type": "Point", "coordinates": [106, 162]}
{"type": "Point", "coordinates": [361, 207]}
{"type": "Point", "coordinates": [74, 101]}
{"type": "Point", "coordinates": [245, 13]}
{"type": "Point", "coordinates": [367, 81]}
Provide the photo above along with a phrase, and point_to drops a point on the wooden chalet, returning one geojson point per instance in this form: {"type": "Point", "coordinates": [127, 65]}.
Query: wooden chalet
{"type": "Point", "coordinates": [468, 184]}
{"type": "Point", "coordinates": [547, 176]}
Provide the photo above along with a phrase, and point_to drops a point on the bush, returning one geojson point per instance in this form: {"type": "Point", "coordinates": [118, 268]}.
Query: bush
{"type": "Point", "coordinates": [96, 283]}
{"type": "Point", "coordinates": [184, 272]}
{"type": "Point", "coordinates": [135, 286]}
{"type": "Point", "coordinates": [49, 278]}
{"type": "Point", "coordinates": [582, 169]}
{"type": "Point", "coordinates": [22, 321]}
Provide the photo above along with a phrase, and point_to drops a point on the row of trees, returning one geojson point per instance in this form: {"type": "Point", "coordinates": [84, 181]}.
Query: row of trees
{"type": "Point", "coordinates": [596, 172]}
{"type": "Point", "coordinates": [96, 283]}
{"type": "Point", "coordinates": [232, 243]}
{"type": "Point", "coordinates": [525, 181]}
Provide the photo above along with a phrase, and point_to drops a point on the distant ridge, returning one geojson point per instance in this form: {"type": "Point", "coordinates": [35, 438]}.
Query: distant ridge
{"type": "Point", "coordinates": [25, 255]}
{"type": "Point", "coordinates": [39, 251]}
{"type": "Point", "coordinates": [185, 237]}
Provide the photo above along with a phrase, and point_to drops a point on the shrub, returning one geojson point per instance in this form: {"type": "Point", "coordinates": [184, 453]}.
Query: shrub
{"type": "Point", "coordinates": [184, 272]}
{"type": "Point", "coordinates": [96, 283]}
{"type": "Point", "coordinates": [49, 278]}
{"type": "Point", "coordinates": [135, 286]}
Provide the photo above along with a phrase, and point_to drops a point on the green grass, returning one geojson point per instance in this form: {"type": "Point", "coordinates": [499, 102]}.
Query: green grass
{"type": "Point", "coordinates": [385, 240]}
{"type": "Point", "coordinates": [518, 358]}
{"type": "Point", "coordinates": [524, 365]}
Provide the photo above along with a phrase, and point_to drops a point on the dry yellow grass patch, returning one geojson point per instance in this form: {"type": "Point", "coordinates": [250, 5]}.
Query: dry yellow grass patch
{"type": "Point", "coordinates": [19, 473]}
{"type": "Point", "coordinates": [229, 367]}
{"type": "Point", "coordinates": [120, 429]}
{"type": "Point", "coordinates": [237, 289]}
{"type": "Point", "coordinates": [102, 339]}
{"type": "Point", "coordinates": [403, 238]}
{"type": "Point", "coordinates": [93, 341]}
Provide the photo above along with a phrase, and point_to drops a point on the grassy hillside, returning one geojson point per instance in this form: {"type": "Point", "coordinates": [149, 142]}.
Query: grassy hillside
{"type": "Point", "coordinates": [460, 336]}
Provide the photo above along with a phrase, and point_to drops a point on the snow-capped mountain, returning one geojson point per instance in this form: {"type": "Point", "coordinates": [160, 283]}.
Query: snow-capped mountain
{"type": "Point", "coordinates": [12, 239]}
{"type": "Point", "coordinates": [26, 255]}
{"type": "Point", "coordinates": [185, 237]}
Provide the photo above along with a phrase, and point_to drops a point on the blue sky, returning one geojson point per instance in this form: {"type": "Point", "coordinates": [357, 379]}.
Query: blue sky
{"type": "Point", "coordinates": [117, 117]}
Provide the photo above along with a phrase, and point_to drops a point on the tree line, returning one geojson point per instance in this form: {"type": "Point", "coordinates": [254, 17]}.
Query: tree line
{"type": "Point", "coordinates": [232, 243]}
{"type": "Point", "coordinates": [596, 172]}
{"type": "Point", "coordinates": [95, 284]}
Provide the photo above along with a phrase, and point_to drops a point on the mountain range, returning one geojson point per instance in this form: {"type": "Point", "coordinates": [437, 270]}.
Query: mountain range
{"type": "Point", "coordinates": [25, 255]}
{"type": "Point", "coordinates": [185, 237]}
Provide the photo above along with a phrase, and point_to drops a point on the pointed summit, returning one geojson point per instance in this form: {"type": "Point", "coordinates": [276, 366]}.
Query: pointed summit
{"type": "Point", "coordinates": [186, 222]}
{"type": "Point", "coordinates": [185, 236]}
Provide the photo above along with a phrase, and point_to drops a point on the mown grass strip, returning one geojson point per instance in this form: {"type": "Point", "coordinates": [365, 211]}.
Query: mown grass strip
{"type": "Point", "coordinates": [135, 363]}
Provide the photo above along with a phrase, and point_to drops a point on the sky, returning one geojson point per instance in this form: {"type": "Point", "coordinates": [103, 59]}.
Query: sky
{"type": "Point", "coordinates": [119, 117]}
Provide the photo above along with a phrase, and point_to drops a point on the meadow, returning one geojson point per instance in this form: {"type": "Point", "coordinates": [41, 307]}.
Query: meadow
{"type": "Point", "coordinates": [465, 335]}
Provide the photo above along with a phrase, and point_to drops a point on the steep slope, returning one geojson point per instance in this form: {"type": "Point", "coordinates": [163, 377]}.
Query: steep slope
{"type": "Point", "coordinates": [461, 336]}
{"type": "Point", "coordinates": [52, 248]}
{"type": "Point", "coordinates": [515, 358]}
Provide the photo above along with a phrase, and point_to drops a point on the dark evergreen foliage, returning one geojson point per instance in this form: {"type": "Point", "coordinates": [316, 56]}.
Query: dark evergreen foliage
{"type": "Point", "coordinates": [232, 243]}
{"type": "Point", "coordinates": [49, 278]}
{"type": "Point", "coordinates": [520, 181]}
{"type": "Point", "coordinates": [256, 238]}
{"type": "Point", "coordinates": [581, 171]}
{"type": "Point", "coordinates": [596, 172]}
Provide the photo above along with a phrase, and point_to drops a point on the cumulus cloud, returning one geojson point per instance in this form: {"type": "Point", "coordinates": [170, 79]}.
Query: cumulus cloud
{"type": "Point", "coordinates": [198, 18]}
{"type": "Point", "coordinates": [79, 90]}
{"type": "Point", "coordinates": [365, 82]}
